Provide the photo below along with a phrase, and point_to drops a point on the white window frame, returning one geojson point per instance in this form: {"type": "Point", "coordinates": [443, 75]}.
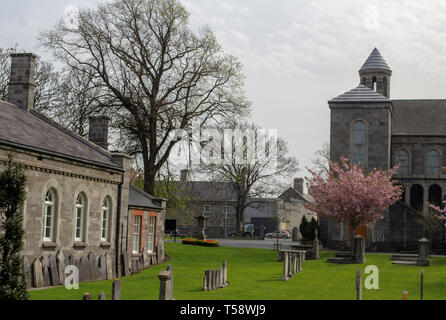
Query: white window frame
{"type": "Point", "coordinates": [79, 220]}
{"type": "Point", "coordinates": [105, 218]}
{"type": "Point", "coordinates": [226, 210]}
{"type": "Point", "coordinates": [51, 203]}
{"type": "Point", "coordinates": [151, 232]}
{"type": "Point", "coordinates": [136, 233]}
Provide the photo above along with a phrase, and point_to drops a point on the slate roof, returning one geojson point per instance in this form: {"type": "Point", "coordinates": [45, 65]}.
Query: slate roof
{"type": "Point", "coordinates": [361, 93]}
{"type": "Point", "coordinates": [31, 130]}
{"type": "Point", "coordinates": [419, 117]}
{"type": "Point", "coordinates": [375, 61]}
{"type": "Point", "coordinates": [141, 199]}
{"type": "Point", "coordinates": [293, 193]}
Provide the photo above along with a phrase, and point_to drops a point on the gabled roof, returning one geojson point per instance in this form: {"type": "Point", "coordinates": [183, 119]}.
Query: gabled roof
{"type": "Point", "coordinates": [419, 117]}
{"type": "Point", "coordinates": [375, 61]}
{"type": "Point", "coordinates": [28, 129]}
{"type": "Point", "coordinates": [361, 93]}
{"type": "Point", "coordinates": [293, 193]}
{"type": "Point", "coordinates": [141, 199]}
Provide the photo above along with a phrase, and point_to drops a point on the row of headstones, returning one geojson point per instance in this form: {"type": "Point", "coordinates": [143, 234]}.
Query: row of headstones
{"type": "Point", "coordinates": [292, 263]}
{"type": "Point", "coordinates": [216, 279]}
{"type": "Point", "coordinates": [135, 264]}
{"type": "Point", "coordinates": [50, 270]}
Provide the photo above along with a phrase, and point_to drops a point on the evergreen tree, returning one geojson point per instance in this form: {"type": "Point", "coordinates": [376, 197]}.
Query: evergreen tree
{"type": "Point", "coordinates": [12, 195]}
{"type": "Point", "coordinates": [303, 227]}
{"type": "Point", "coordinates": [311, 228]}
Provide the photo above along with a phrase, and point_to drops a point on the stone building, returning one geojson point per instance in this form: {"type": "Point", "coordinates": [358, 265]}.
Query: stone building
{"type": "Point", "coordinates": [217, 200]}
{"type": "Point", "coordinates": [371, 129]}
{"type": "Point", "coordinates": [80, 208]}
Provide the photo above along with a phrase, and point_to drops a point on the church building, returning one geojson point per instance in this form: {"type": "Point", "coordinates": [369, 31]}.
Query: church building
{"type": "Point", "coordinates": [370, 128]}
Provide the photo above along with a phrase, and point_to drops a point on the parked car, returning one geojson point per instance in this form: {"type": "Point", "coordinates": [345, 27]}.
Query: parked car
{"type": "Point", "coordinates": [278, 234]}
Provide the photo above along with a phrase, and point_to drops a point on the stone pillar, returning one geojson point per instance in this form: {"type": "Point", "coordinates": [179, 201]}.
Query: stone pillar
{"type": "Point", "coordinates": [358, 285]}
{"type": "Point", "coordinates": [170, 268]}
{"type": "Point", "coordinates": [116, 290]}
{"type": "Point", "coordinates": [301, 259]}
{"type": "Point", "coordinates": [225, 272]}
{"type": "Point", "coordinates": [285, 266]}
{"type": "Point", "coordinates": [165, 278]}
{"type": "Point", "coordinates": [423, 252]}
{"type": "Point", "coordinates": [358, 249]}
{"type": "Point", "coordinates": [262, 232]}
{"type": "Point", "coordinates": [206, 280]}
{"type": "Point", "coordinates": [297, 236]}
{"type": "Point", "coordinates": [315, 250]}
{"type": "Point", "coordinates": [101, 296]}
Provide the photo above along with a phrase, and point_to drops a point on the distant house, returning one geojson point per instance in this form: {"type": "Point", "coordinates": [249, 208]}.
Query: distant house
{"type": "Point", "coordinates": [217, 200]}
{"type": "Point", "coordinates": [80, 208]}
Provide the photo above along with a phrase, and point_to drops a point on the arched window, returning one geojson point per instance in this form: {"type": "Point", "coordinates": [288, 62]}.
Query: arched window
{"type": "Point", "coordinates": [402, 159]}
{"type": "Point", "coordinates": [416, 197]}
{"type": "Point", "coordinates": [385, 86]}
{"type": "Point", "coordinates": [359, 143]}
{"type": "Point", "coordinates": [79, 229]}
{"type": "Point", "coordinates": [433, 162]}
{"type": "Point", "coordinates": [49, 215]}
{"type": "Point", "coordinates": [374, 83]}
{"type": "Point", "coordinates": [435, 194]}
{"type": "Point", "coordinates": [105, 221]}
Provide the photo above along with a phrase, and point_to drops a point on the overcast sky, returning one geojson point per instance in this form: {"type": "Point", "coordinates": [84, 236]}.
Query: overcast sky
{"type": "Point", "coordinates": [296, 54]}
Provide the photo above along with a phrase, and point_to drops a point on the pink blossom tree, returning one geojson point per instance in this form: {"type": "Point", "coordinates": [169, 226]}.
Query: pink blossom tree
{"type": "Point", "coordinates": [349, 196]}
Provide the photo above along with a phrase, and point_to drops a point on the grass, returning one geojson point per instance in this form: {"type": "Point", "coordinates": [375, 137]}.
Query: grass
{"type": "Point", "coordinates": [256, 274]}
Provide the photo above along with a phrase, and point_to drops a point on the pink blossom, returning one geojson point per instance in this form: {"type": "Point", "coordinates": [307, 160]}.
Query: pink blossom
{"type": "Point", "coordinates": [350, 197]}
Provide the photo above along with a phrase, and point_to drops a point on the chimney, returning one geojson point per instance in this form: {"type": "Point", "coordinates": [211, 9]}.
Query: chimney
{"type": "Point", "coordinates": [21, 81]}
{"type": "Point", "coordinates": [98, 130]}
{"type": "Point", "coordinates": [185, 175]}
{"type": "Point", "coordinates": [299, 185]}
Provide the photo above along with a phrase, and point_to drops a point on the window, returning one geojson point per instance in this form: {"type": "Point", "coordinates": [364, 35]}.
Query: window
{"type": "Point", "coordinates": [50, 211]}
{"type": "Point", "coordinates": [80, 217]}
{"type": "Point", "coordinates": [136, 246]}
{"type": "Point", "coordinates": [433, 162]}
{"type": "Point", "coordinates": [226, 216]}
{"type": "Point", "coordinates": [151, 234]}
{"type": "Point", "coordinates": [105, 220]}
{"type": "Point", "coordinates": [402, 159]}
{"type": "Point", "coordinates": [374, 84]}
{"type": "Point", "coordinates": [359, 143]}
{"type": "Point", "coordinates": [207, 208]}
{"type": "Point", "coordinates": [385, 86]}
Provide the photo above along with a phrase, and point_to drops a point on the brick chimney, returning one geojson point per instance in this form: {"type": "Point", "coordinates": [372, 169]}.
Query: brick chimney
{"type": "Point", "coordinates": [299, 185]}
{"type": "Point", "coordinates": [185, 175]}
{"type": "Point", "coordinates": [98, 130]}
{"type": "Point", "coordinates": [21, 81]}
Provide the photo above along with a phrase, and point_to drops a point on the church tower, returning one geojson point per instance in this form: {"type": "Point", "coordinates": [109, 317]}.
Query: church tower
{"type": "Point", "coordinates": [375, 74]}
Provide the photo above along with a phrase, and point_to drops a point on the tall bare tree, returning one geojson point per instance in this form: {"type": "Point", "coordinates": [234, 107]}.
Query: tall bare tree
{"type": "Point", "coordinates": [159, 73]}
{"type": "Point", "coordinates": [255, 164]}
{"type": "Point", "coordinates": [321, 160]}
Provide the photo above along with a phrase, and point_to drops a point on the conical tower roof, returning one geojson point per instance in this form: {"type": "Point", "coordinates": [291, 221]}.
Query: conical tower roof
{"type": "Point", "coordinates": [375, 61]}
{"type": "Point", "coordinates": [360, 94]}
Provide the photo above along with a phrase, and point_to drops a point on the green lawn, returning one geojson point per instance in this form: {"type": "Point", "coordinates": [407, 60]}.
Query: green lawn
{"type": "Point", "coordinates": [256, 274]}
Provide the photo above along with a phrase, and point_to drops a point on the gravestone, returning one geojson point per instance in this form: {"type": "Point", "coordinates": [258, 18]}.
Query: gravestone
{"type": "Point", "coordinates": [94, 272]}
{"type": "Point", "coordinates": [225, 271]}
{"type": "Point", "coordinates": [201, 226]}
{"type": "Point", "coordinates": [71, 261]}
{"type": "Point", "coordinates": [86, 296]}
{"type": "Point", "coordinates": [125, 264]}
{"type": "Point", "coordinates": [116, 289]}
{"type": "Point", "coordinates": [170, 269]}
{"type": "Point", "coordinates": [102, 296]}
{"type": "Point", "coordinates": [84, 269]}
{"type": "Point", "coordinates": [46, 275]}
{"type": "Point", "coordinates": [109, 263]}
{"type": "Point", "coordinates": [37, 273]}
{"type": "Point", "coordinates": [297, 236]}
{"type": "Point", "coordinates": [102, 268]}
{"type": "Point", "coordinates": [53, 270]}
{"type": "Point", "coordinates": [60, 259]}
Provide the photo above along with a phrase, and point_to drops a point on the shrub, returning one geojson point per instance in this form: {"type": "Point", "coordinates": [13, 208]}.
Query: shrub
{"type": "Point", "coordinates": [204, 243]}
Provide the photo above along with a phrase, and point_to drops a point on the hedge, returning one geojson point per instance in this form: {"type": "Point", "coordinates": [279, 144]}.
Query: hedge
{"type": "Point", "coordinates": [205, 243]}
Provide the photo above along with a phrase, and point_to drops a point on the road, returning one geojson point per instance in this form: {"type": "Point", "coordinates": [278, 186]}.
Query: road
{"type": "Point", "coordinates": [262, 244]}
